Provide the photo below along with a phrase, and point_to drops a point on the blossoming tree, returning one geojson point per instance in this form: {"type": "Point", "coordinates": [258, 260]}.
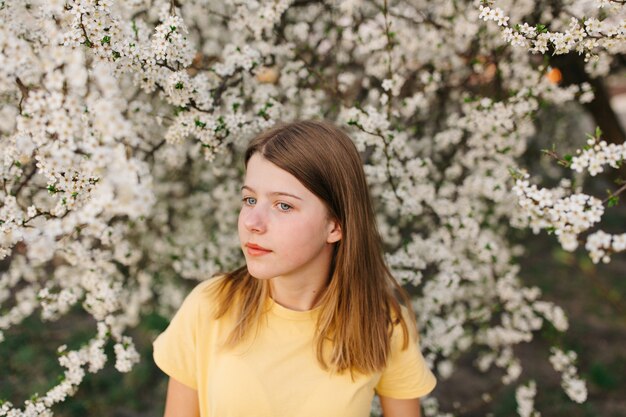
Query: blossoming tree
{"type": "Point", "coordinates": [122, 126]}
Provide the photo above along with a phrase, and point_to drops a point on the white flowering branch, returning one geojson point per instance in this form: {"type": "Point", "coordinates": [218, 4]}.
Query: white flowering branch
{"type": "Point", "coordinates": [570, 215]}
{"type": "Point", "coordinates": [525, 398]}
{"type": "Point", "coordinates": [563, 363]}
{"type": "Point", "coordinates": [584, 35]}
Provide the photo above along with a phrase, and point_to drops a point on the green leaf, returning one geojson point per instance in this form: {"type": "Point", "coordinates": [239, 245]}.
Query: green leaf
{"type": "Point", "coordinates": [515, 173]}
{"type": "Point", "coordinates": [179, 110]}
{"type": "Point", "coordinates": [221, 125]}
{"type": "Point", "coordinates": [613, 201]}
{"type": "Point", "coordinates": [135, 30]}
{"type": "Point", "coordinates": [567, 161]}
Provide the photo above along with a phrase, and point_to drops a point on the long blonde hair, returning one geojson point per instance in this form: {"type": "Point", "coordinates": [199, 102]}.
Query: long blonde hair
{"type": "Point", "coordinates": [361, 305]}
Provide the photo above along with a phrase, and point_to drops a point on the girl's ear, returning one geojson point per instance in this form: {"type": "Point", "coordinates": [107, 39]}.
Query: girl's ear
{"type": "Point", "coordinates": [334, 235]}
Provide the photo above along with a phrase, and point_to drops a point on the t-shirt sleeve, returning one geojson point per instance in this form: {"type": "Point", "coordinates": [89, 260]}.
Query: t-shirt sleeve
{"type": "Point", "coordinates": [174, 350]}
{"type": "Point", "coordinates": [406, 374]}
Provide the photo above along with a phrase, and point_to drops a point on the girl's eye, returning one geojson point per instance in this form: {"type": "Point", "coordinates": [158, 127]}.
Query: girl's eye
{"type": "Point", "coordinates": [284, 206]}
{"type": "Point", "coordinates": [250, 201]}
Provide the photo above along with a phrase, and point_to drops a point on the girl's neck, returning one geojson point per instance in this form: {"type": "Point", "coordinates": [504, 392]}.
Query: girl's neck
{"type": "Point", "coordinates": [298, 295]}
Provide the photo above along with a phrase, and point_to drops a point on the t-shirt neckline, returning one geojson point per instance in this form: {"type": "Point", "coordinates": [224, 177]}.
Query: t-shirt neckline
{"type": "Point", "coordinates": [290, 314]}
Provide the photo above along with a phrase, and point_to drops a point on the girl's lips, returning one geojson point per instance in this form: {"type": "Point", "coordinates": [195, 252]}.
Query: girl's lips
{"type": "Point", "coordinates": [256, 250]}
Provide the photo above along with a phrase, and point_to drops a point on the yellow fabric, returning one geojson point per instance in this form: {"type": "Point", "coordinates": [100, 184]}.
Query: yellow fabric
{"type": "Point", "coordinates": [276, 373]}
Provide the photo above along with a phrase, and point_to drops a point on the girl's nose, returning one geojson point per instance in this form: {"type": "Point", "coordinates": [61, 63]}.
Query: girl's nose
{"type": "Point", "coordinates": [255, 221]}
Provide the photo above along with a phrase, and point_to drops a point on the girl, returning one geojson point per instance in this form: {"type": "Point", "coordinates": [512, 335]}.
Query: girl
{"type": "Point", "coordinates": [311, 326]}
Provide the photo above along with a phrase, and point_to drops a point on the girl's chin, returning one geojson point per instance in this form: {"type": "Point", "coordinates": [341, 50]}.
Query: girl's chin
{"type": "Point", "coordinates": [262, 275]}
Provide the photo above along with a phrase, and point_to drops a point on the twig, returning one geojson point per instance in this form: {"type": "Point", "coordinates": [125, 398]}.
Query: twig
{"type": "Point", "coordinates": [389, 48]}
{"type": "Point", "coordinates": [87, 42]}
{"type": "Point", "coordinates": [394, 188]}
{"type": "Point", "coordinates": [23, 90]}
{"type": "Point", "coordinates": [150, 153]}
{"type": "Point", "coordinates": [218, 14]}
{"type": "Point", "coordinates": [23, 183]}
{"type": "Point", "coordinates": [173, 5]}
{"type": "Point", "coordinates": [616, 193]}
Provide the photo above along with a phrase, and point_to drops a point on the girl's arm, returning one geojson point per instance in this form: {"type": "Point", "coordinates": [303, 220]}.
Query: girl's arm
{"type": "Point", "coordinates": [181, 401]}
{"type": "Point", "coordinates": [393, 407]}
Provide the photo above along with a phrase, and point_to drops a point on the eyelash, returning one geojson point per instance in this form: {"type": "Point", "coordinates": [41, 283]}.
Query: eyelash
{"type": "Point", "coordinates": [246, 201]}
{"type": "Point", "coordinates": [285, 204]}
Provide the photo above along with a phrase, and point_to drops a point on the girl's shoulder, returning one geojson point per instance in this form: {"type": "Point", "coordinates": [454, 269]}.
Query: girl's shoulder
{"type": "Point", "coordinates": [204, 295]}
{"type": "Point", "coordinates": [210, 285]}
{"type": "Point", "coordinates": [398, 333]}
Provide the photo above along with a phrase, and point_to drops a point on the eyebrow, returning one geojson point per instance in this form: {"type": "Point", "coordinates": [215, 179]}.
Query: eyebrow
{"type": "Point", "coordinates": [245, 187]}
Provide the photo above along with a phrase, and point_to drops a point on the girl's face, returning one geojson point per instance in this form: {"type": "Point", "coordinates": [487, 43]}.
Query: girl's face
{"type": "Point", "coordinates": [284, 229]}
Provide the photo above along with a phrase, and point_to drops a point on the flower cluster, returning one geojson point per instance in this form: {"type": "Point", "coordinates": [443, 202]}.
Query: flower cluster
{"type": "Point", "coordinates": [494, 14]}
{"type": "Point", "coordinates": [90, 357]}
{"type": "Point", "coordinates": [567, 216]}
{"type": "Point", "coordinates": [601, 245]}
{"type": "Point", "coordinates": [563, 363]}
{"type": "Point", "coordinates": [570, 215]}
{"type": "Point", "coordinates": [525, 398]}
{"type": "Point", "coordinates": [587, 35]}
{"type": "Point", "coordinates": [126, 355]}
{"type": "Point", "coordinates": [170, 42]}
{"type": "Point", "coordinates": [597, 154]}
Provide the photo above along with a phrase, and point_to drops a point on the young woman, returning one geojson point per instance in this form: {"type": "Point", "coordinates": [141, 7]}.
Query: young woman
{"type": "Point", "coordinates": [312, 325]}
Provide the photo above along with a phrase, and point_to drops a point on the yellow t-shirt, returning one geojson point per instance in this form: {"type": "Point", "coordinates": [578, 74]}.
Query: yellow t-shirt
{"type": "Point", "coordinates": [276, 373]}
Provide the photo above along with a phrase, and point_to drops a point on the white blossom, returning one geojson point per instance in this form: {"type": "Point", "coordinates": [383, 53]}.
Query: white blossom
{"type": "Point", "coordinates": [525, 397]}
{"type": "Point", "coordinates": [122, 140]}
{"type": "Point", "coordinates": [563, 362]}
